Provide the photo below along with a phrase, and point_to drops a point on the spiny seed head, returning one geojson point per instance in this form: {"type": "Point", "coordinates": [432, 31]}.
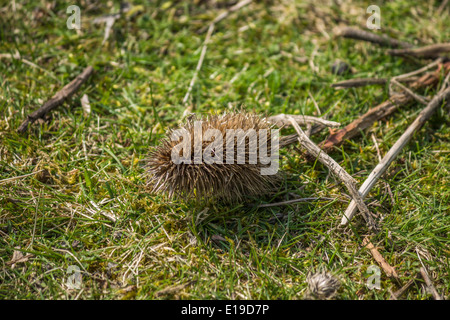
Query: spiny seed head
{"type": "Point", "coordinates": [226, 181]}
{"type": "Point", "coordinates": [322, 285]}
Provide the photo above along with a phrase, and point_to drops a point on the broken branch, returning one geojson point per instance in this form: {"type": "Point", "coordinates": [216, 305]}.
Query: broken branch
{"type": "Point", "coordinates": [66, 92]}
{"type": "Point", "coordinates": [397, 294]}
{"type": "Point", "coordinates": [358, 34]}
{"type": "Point", "coordinates": [382, 110]}
{"type": "Point", "coordinates": [388, 269]}
{"type": "Point", "coordinates": [381, 168]}
{"type": "Point", "coordinates": [340, 172]}
{"type": "Point", "coordinates": [428, 52]}
{"type": "Point", "coordinates": [429, 284]}
{"type": "Point", "coordinates": [359, 82]}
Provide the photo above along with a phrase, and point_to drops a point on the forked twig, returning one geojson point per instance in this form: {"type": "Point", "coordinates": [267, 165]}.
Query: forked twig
{"type": "Point", "coordinates": [381, 168]}
{"type": "Point", "coordinates": [419, 71]}
{"type": "Point", "coordinates": [109, 21]}
{"type": "Point", "coordinates": [408, 91]}
{"type": "Point", "coordinates": [395, 80]}
{"type": "Point", "coordinates": [340, 172]}
{"type": "Point", "coordinates": [234, 8]}
{"type": "Point", "coordinates": [382, 110]}
{"type": "Point", "coordinates": [360, 82]}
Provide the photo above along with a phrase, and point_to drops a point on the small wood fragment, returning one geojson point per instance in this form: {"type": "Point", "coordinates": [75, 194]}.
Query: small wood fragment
{"type": "Point", "coordinates": [429, 284]}
{"type": "Point", "coordinates": [65, 93]}
{"type": "Point", "coordinates": [433, 51]}
{"type": "Point", "coordinates": [337, 170]}
{"type": "Point", "coordinates": [397, 294]}
{"type": "Point", "coordinates": [382, 110]}
{"type": "Point", "coordinates": [383, 40]}
{"type": "Point", "coordinates": [388, 269]}
{"type": "Point", "coordinates": [381, 168]}
{"type": "Point", "coordinates": [359, 82]}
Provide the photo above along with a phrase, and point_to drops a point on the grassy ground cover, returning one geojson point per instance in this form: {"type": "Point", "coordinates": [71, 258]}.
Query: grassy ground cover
{"type": "Point", "coordinates": [88, 166]}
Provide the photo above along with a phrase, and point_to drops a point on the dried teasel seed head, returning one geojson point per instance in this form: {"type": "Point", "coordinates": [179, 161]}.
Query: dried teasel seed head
{"type": "Point", "coordinates": [322, 285]}
{"type": "Point", "coordinates": [221, 179]}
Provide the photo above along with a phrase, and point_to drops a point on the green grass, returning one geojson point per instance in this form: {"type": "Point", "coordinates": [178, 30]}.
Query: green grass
{"type": "Point", "coordinates": [217, 252]}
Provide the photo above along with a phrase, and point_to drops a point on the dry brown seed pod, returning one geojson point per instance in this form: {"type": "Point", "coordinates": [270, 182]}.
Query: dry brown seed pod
{"type": "Point", "coordinates": [229, 182]}
{"type": "Point", "coordinates": [322, 285]}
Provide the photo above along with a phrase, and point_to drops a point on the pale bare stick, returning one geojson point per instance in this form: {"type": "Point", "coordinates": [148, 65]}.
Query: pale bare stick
{"type": "Point", "coordinates": [308, 130]}
{"type": "Point", "coordinates": [426, 278]}
{"type": "Point", "coordinates": [388, 269]}
{"type": "Point", "coordinates": [315, 103]}
{"type": "Point", "coordinates": [381, 168]}
{"type": "Point", "coordinates": [338, 171]}
{"type": "Point", "coordinates": [284, 120]}
{"type": "Point", "coordinates": [219, 18]}
{"type": "Point", "coordinates": [19, 177]}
